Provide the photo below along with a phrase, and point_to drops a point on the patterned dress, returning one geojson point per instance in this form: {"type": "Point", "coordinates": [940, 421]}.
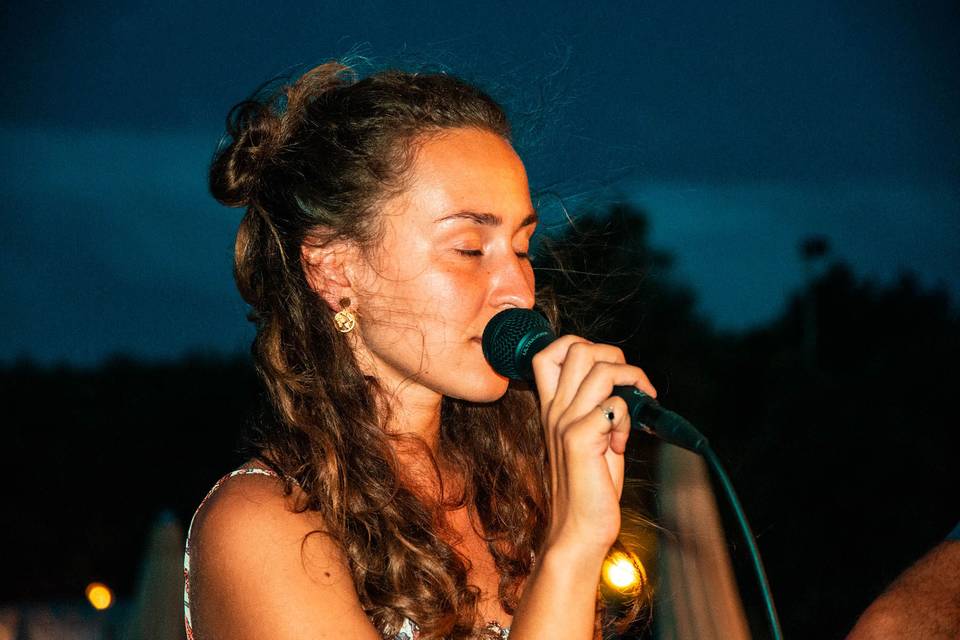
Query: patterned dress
{"type": "Point", "coordinates": [408, 631]}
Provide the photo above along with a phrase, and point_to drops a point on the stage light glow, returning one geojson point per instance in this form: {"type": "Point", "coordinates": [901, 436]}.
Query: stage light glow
{"type": "Point", "coordinates": [99, 595]}
{"type": "Point", "coordinates": [624, 572]}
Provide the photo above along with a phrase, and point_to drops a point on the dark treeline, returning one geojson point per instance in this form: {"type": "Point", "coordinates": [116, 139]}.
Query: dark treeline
{"type": "Point", "coordinates": [92, 458]}
{"type": "Point", "coordinates": [832, 421]}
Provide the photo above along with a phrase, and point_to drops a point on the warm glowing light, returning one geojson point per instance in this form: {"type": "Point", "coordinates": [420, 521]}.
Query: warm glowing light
{"type": "Point", "coordinates": [624, 572]}
{"type": "Point", "coordinates": [99, 595]}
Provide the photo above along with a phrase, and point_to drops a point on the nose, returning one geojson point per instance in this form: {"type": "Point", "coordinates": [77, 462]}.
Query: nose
{"type": "Point", "coordinates": [512, 283]}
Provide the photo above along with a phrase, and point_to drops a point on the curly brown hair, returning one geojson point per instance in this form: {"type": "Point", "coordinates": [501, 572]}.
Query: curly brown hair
{"type": "Point", "coordinates": [314, 159]}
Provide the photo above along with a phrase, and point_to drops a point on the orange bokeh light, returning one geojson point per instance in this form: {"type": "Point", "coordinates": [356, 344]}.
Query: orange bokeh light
{"type": "Point", "coordinates": [624, 572]}
{"type": "Point", "coordinates": [99, 595]}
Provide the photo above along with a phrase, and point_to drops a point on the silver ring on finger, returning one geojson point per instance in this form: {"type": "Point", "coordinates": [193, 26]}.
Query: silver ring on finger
{"type": "Point", "coordinates": [607, 412]}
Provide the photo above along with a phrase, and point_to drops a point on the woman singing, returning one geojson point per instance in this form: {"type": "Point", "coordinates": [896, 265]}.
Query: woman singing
{"type": "Point", "coordinates": [401, 489]}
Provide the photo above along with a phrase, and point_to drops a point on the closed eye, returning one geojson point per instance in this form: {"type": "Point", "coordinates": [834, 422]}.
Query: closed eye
{"type": "Point", "coordinates": [476, 253]}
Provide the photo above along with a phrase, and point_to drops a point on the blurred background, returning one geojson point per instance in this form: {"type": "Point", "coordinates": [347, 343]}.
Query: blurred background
{"type": "Point", "coordinates": [758, 201]}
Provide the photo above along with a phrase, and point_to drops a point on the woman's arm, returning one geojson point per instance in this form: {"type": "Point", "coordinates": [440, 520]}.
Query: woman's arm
{"type": "Point", "coordinates": [585, 450]}
{"type": "Point", "coordinates": [559, 598]}
{"type": "Point", "coordinates": [249, 580]}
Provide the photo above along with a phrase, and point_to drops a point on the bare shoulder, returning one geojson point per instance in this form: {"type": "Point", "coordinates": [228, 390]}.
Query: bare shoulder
{"type": "Point", "coordinates": [246, 508]}
{"type": "Point", "coordinates": [923, 602]}
{"type": "Point", "coordinates": [258, 570]}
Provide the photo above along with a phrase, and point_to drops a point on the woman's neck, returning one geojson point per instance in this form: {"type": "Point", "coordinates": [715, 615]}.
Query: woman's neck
{"type": "Point", "coordinates": [409, 407]}
{"type": "Point", "coordinates": [412, 414]}
{"type": "Point", "coordinates": [414, 411]}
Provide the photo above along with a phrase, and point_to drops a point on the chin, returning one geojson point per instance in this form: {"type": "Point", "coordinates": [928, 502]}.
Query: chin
{"type": "Point", "coordinates": [487, 387]}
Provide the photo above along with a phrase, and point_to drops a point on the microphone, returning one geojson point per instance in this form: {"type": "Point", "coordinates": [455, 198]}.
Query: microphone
{"type": "Point", "coordinates": [514, 336]}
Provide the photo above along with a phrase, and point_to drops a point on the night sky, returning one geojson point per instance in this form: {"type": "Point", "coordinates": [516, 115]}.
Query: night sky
{"type": "Point", "coordinates": [740, 129]}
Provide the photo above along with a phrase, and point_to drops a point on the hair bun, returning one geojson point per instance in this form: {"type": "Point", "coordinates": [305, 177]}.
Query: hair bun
{"type": "Point", "coordinates": [257, 127]}
{"type": "Point", "coordinates": [236, 173]}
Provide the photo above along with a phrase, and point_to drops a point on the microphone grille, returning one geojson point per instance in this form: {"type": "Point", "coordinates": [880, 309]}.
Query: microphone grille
{"type": "Point", "coordinates": [503, 335]}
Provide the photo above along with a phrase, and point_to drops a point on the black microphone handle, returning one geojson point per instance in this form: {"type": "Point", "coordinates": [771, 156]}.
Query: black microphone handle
{"type": "Point", "coordinates": [648, 416]}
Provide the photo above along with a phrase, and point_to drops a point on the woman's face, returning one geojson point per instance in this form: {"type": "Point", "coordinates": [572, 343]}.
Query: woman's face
{"type": "Point", "coordinates": [453, 254]}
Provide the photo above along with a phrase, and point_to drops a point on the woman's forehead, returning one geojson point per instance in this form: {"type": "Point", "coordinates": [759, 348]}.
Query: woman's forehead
{"type": "Point", "coordinates": [467, 170]}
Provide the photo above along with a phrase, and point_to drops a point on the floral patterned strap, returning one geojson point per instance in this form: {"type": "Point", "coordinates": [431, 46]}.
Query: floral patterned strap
{"type": "Point", "coordinates": [409, 631]}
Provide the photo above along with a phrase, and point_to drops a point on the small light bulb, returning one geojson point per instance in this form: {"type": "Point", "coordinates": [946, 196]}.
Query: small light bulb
{"type": "Point", "coordinates": [99, 595]}
{"type": "Point", "coordinates": [622, 572]}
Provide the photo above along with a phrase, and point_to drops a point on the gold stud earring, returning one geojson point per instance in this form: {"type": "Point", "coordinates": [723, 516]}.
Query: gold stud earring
{"type": "Point", "coordinates": [345, 319]}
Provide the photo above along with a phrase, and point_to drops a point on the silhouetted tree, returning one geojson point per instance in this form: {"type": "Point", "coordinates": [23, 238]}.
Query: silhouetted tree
{"type": "Point", "coordinates": [92, 456]}
{"type": "Point", "coordinates": [612, 286]}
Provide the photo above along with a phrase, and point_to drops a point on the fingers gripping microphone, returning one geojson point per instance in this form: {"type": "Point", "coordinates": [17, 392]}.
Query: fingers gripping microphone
{"type": "Point", "coordinates": [514, 336]}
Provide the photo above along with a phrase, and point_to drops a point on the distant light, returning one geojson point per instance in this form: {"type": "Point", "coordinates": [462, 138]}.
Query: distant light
{"type": "Point", "coordinates": [99, 595]}
{"type": "Point", "coordinates": [623, 572]}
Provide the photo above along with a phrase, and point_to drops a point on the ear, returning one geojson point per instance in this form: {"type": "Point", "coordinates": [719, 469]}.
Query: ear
{"type": "Point", "coordinates": [330, 268]}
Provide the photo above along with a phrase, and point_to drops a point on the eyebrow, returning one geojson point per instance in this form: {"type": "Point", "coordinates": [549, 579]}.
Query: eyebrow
{"type": "Point", "coordinates": [487, 219]}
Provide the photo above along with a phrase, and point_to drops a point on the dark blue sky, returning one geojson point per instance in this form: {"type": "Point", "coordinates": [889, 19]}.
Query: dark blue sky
{"type": "Point", "coordinates": [740, 128]}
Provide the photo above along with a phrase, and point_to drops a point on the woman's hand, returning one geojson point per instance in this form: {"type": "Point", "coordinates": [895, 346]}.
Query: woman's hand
{"type": "Point", "coordinates": [575, 379]}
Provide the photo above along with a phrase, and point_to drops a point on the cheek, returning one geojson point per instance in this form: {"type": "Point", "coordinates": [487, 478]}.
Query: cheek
{"type": "Point", "coordinates": [431, 309]}
{"type": "Point", "coordinates": [457, 294]}
{"type": "Point", "coordinates": [470, 285]}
